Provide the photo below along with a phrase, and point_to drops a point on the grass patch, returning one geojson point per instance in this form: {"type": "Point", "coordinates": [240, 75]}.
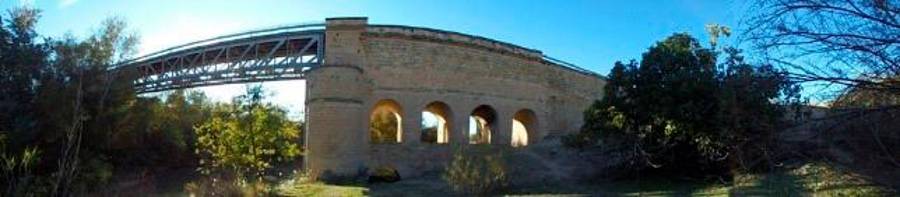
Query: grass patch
{"type": "Point", "coordinates": [321, 189]}
{"type": "Point", "coordinates": [824, 180]}
{"type": "Point", "coordinates": [302, 184]}
{"type": "Point", "coordinates": [811, 178]}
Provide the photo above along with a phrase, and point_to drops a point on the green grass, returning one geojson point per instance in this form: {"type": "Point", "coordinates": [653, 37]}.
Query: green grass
{"type": "Point", "coordinates": [824, 180]}
{"type": "Point", "coordinates": [321, 189]}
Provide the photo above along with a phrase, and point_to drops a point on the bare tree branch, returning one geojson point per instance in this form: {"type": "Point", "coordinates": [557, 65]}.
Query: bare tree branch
{"type": "Point", "coordinates": [849, 43]}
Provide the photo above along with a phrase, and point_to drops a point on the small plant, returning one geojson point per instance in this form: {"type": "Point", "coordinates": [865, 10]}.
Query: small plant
{"type": "Point", "coordinates": [476, 171]}
{"type": "Point", "coordinates": [17, 170]}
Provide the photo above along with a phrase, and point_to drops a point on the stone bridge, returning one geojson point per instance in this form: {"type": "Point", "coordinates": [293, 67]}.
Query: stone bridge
{"type": "Point", "coordinates": [478, 90]}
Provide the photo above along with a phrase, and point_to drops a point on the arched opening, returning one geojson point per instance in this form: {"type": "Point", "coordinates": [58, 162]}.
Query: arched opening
{"type": "Point", "coordinates": [385, 122]}
{"type": "Point", "coordinates": [481, 123]}
{"type": "Point", "coordinates": [524, 125]}
{"type": "Point", "coordinates": [436, 123]}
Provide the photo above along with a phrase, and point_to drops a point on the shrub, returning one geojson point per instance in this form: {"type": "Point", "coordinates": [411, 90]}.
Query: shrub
{"type": "Point", "coordinates": [476, 170]}
{"type": "Point", "coordinates": [384, 174]}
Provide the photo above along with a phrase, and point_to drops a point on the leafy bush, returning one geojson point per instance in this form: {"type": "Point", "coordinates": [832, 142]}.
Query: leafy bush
{"type": "Point", "coordinates": [247, 137]}
{"type": "Point", "coordinates": [477, 170]}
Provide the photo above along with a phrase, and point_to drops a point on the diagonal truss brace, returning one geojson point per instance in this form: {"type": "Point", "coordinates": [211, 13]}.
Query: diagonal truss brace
{"type": "Point", "coordinates": [279, 57]}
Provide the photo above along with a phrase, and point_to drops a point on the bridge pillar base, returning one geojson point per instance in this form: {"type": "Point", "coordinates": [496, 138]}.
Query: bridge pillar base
{"type": "Point", "coordinates": [337, 136]}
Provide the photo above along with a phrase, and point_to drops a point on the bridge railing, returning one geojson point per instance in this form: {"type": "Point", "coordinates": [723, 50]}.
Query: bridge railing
{"type": "Point", "coordinates": [571, 66]}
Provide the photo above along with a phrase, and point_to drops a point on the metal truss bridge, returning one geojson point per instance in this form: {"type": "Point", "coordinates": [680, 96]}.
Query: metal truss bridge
{"type": "Point", "coordinates": [281, 53]}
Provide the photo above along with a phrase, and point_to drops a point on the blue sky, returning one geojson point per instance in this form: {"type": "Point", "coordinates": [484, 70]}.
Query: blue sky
{"type": "Point", "coordinates": [591, 34]}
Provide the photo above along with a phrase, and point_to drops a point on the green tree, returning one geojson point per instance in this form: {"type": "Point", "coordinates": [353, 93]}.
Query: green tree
{"type": "Point", "coordinates": [749, 119]}
{"type": "Point", "coordinates": [62, 99]}
{"type": "Point", "coordinates": [677, 112]}
{"type": "Point", "coordinates": [81, 100]}
{"type": "Point", "coordinates": [246, 138]}
{"type": "Point", "coordinates": [674, 106]}
{"type": "Point", "coordinates": [21, 59]}
{"type": "Point", "coordinates": [156, 133]}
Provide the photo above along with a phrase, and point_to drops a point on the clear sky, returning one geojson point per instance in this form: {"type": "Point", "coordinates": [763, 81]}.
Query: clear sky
{"type": "Point", "coordinates": [591, 34]}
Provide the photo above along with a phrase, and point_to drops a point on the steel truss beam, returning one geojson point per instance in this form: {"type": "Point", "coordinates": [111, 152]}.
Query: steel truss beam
{"type": "Point", "coordinates": [282, 56]}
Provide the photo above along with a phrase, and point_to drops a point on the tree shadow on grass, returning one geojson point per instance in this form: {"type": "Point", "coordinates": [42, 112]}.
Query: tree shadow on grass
{"type": "Point", "coordinates": [770, 184]}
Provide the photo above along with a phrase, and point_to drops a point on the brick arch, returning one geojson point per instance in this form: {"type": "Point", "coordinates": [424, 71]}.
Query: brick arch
{"type": "Point", "coordinates": [444, 115]}
{"type": "Point", "coordinates": [524, 128]}
{"type": "Point", "coordinates": [483, 120]}
{"type": "Point", "coordinates": [386, 122]}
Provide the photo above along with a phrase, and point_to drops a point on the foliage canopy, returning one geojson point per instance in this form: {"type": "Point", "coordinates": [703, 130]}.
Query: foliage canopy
{"type": "Point", "coordinates": [680, 111]}
{"type": "Point", "coordinates": [246, 137]}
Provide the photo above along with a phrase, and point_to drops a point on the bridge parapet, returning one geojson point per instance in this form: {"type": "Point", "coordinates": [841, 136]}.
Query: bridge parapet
{"type": "Point", "coordinates": [443, 36]}
{"type": "Point", "coordinates": [437, 35]}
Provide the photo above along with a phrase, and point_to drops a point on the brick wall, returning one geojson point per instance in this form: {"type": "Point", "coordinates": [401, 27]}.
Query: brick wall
{"type": "Point", "coordinates": [417, 66]}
